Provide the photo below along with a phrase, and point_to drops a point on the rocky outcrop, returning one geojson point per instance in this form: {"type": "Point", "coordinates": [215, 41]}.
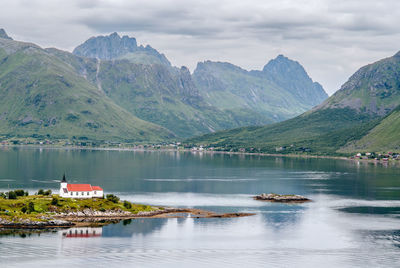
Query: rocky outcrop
{"type": "Point", "coordinates": [282, 198]}
{"type": "Point", "coordinates": [114, 46]}
{"type": "Point", "coordinates": [4, 35]}
{"type": "Point", "coordinates": [31, 224]}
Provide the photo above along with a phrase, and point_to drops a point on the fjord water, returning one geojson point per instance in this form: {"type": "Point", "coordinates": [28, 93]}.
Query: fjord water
{"type": "Point", "coordinates": [353, 220]}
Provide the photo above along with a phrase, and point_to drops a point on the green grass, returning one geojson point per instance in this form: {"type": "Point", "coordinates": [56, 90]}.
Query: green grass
{"type": "Point", "coordinates": [12, 208]}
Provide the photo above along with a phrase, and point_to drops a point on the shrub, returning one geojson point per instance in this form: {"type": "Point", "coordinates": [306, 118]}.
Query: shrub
{"type": "Point", "coordinates": [26, 193]}
{"type": "Point", "coordinates": [112, 198]}
{"type": "Point", "coordinates": [127, 204]}
{"type": "Point", "coordinates": [19, 192]}
{"type": "Point", "coordinates": [3, 195]}
{"type": "Point", "coordinates": [40, 192]}
{"type": "Point", "coordinates": [24, 209]}
{"type": "Point", "coordinates": [102, 209]}
{"type": "Point", "coordinates": [54, 201]}
{"type": "Point", "coordinates": [12, 195]}
{"type": "Point", "coordinates": [48, 192]}
{"type": "Point", "coordinates": [31, 207]}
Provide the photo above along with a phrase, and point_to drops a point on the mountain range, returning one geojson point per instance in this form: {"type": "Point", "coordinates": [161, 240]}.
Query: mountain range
{"type": "Point", "coordinates": [363, 115]}
{"type": "Point", "coordinates": [112, 89]}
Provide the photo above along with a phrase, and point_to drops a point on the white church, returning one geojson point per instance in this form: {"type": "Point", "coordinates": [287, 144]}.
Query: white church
{"type": "Point", "coordinates": [68, 190]}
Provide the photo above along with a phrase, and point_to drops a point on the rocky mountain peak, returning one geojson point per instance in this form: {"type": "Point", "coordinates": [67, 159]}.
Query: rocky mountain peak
{"type": "Point", "coordinates": [4, 35]}
{"type": "Point", "coordinates": [114, 46]}
{"type": "Point", "coordinates": [106, 47]}
{"type": "Point", "coordinates": [291, 75]}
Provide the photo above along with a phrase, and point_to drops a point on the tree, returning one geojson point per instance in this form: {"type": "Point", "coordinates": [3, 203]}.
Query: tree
{"type": "Point", "coordinates": [40, 192]}
{"type": "Point", "coordinates": [31, 207]}
{"type": "Point", "coordinates": [19, 192]}
{"type": "Point", "coordinates": [48, 192]}
{"type": "Point", "coordinates": [112, 198]}
{"type": "Point", "coordinates": [12, 195]}
{"type": "Point", "coordinates": [127, 204]}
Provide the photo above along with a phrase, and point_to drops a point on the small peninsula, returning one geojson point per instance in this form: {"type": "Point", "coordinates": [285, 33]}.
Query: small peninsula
{"type": "Point", "coordinates": [18, 209]}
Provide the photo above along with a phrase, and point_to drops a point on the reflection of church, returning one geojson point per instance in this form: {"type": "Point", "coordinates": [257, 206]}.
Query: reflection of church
{"type": "Point", "coordinates": [82, 232]}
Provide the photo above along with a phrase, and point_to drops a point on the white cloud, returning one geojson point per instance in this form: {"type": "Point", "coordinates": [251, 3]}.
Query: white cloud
{"type": "Point", "coordinates": [331, 39]}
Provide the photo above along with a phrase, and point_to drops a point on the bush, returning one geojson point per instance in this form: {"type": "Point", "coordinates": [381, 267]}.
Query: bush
{"type": "Point", "coordinates": [12, 195]}
{"type": "Point", "coordinates": [24, 209]}
{"type": "Point", "coordinates": [40, 192]}
{"type": "Point", "coordinates": [19, 192]}
{"type": "Point", "coordinates": [127, 204]}
{"type": "Point", "coordinates": [31, 207]}
{"type": "Point", "coordinates": [112, 198]}
{"type": "Point", "coordinates": [48, 192]}
{"type": "Point", "coordinates": [3, 195]}
{"type": "Point", "coordinates": [54, 201]}
{"type": "Point", "coordinates": [102, 209]}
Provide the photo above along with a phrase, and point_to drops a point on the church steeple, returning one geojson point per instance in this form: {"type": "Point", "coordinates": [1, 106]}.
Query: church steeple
{"type": "Point", "coordinates": [64, 179]}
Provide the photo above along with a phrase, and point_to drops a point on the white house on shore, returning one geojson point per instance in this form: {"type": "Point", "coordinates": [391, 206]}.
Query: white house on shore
{"type": "Point", "coordinates": [68, 190]}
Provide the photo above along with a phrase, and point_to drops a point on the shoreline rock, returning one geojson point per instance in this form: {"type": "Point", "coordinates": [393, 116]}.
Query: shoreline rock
{"type": "Point", "coordinates": [89, 217]}
{"type": "Point", "coordinates": [281, 198]}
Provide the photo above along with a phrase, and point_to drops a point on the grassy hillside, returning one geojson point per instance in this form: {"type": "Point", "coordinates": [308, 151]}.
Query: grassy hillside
{"type": "Point", "coordinates": [374, 88]}
{"type": "Point", "coordinates": [320, 132]}
{"type": "Point", "coordinates": [384, 137]}
{"type": "Point", "coordinates": [43, 97]}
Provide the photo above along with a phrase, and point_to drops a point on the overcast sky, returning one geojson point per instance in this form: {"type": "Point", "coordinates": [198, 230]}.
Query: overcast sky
{"type": "Point", "coordinates": [330, 38]}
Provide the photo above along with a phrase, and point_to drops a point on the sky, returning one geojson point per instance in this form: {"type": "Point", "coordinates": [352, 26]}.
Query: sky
{"type": "Point", "coordinates": [331, 38]}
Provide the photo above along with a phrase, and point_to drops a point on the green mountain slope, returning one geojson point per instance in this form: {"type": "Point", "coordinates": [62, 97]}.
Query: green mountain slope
{"type": "Point", "coordinates": [384, 137]}
{"type": "Point", "coordinates": [41, 96]}
{"type": "Point", "coordinates": [274, 94]}
{"type": "Point", "coordinates": [374, 89]}
{"type": "Point", "coordinates": [333, 125]}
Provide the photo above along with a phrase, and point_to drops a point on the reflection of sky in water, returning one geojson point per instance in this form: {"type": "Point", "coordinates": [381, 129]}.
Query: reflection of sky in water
{"type": "Point", "coordinates": [352, 221]}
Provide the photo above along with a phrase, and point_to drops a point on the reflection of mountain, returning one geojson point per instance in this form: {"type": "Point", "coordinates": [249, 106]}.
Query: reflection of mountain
{"type": "Point", "coordinates": [135, 226]}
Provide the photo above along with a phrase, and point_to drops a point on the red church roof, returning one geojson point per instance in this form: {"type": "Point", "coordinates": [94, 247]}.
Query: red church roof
{"type": "Point", "coordinates": [97, 188]}
{"type": "Point", "coordinates": [79, 187]}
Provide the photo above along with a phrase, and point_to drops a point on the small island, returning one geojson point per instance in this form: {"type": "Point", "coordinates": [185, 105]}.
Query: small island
{"type": "Point", "coordinates": [281, 198]}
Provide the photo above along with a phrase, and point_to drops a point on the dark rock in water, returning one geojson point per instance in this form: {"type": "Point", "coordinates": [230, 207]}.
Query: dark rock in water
{"type": "Point", "coordinates": [4, 35]}
{"type": "Point", "coordinates": [281, 198]}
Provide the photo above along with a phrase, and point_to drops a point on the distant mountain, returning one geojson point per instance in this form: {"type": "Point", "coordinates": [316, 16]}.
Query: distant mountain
{"type": "Point", "coordinates": [353, 118]}
{"type": "Point", "coordinates": [281, 91]}
{"type": "Point", "coordinates": [42, 97]}
{"type": "Point", "coordinates": [115, 47]}
{"type": "Point", "coordinates": [187, 105]}
{"type": "Point", "coordinates": [290, 75]}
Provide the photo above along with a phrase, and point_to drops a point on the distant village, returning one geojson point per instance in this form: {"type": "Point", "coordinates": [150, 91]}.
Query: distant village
{"type": "Point", "coordinates": [377, 156]}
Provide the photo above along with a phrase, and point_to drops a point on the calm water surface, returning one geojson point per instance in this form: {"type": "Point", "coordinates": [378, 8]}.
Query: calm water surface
{"type": "Point", "coordinates": [354, 220]}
